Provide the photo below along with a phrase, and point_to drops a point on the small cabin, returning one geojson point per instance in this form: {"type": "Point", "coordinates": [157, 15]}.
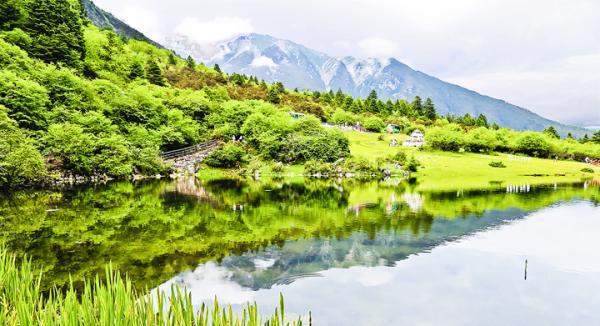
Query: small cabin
{"type": "Point", "coordinates": [416, 139]}
{"type": "Point", "coordinates": [393, 129]}
{"type": "Point", "coordinates": [297, 115]}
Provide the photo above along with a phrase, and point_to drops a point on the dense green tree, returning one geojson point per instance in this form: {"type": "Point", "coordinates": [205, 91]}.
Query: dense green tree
{"type": "Point", "coordinates": [551, 131]}
{"type": "Point", "coordinates": [172, 59]}
{"type": "Point", "coordinates": [429, 109]}
{"type": "Point", "coordinates": [57, 32]}
{"type": "Point", "coordinates": [20, 161]}
{"type": "Point", "coordinates": [217, 68]}
{"type": "Point", "coordinates": [532, 143]}
{"type": "Point", "coordinates": [12, 14]}
{"type": "Point", "coordinates": [190, 63]}
{"type": "Point", "coordinates": [584, 139]}
{"type": "Point", "coordinates": [136, 70]}
{"type": "Point", "coordinates": [417, 106]}
{"type": "Point", "coordinates": [273, 96]}
{"type": "Point", "coordinates": [374, 124]}
{"type": "Point", "coordinates": [595, 137]}
{"type": "Point", "coordinates": [482, 121]}
{"type": "Point", "coordinates": [26, 100]}
{"type": "Point", "coordinates": [154, 74]}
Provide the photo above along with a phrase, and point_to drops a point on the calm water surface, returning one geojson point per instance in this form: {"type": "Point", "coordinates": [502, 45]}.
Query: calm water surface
{"type": "Point", "coordinates": [352, 253]}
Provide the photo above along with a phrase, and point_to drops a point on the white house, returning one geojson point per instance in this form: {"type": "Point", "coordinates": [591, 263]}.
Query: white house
{"type": "Point", "coordinates": [416, 139]}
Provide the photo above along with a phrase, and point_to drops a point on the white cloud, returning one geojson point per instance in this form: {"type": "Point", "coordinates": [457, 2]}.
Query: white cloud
{"type": "Point", "coordinates": [143, 20]}
{"type": "Point", "coordinates": [211, 31]}
{"type": "Point", "coordinates": [565, 90]}
{"type": "Point", "coordinates": [263, 61]}
{"type": "Point", "coordinates": [378, 47]}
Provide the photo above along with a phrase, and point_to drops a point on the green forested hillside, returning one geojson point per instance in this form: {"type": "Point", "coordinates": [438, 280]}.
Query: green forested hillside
{"type": "Point", "coordinates": [79, 100]}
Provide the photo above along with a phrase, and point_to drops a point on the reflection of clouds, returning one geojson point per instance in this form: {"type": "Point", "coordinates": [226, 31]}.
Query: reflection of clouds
{"type": "Point", "coordinates": [208, 281]}
{"type": "Point", "coordinates": [565, 237]}
{"type": "Point", "coordinates": [261, 263]}
{"type": "Point", "coordinates": [476, 281]}
{"type": "Point", "coordinates": [414, 201]}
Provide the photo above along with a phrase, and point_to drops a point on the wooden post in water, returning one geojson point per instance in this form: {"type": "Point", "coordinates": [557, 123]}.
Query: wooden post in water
{"type": "Point", "coordinates": [525, 269]}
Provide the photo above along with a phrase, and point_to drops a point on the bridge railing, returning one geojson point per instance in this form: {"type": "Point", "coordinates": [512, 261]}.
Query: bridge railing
{"type": "Point", "coordinates": [188, 150]}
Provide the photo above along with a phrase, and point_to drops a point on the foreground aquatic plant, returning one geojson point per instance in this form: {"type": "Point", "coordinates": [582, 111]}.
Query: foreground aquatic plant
{"type": "Point", "coordinates": [112, 301]}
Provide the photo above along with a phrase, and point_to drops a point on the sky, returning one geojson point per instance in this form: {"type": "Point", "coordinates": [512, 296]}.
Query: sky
{"type": "Point", "coordinates": [543, 55]}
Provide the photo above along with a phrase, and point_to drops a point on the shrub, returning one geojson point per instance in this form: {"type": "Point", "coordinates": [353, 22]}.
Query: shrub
{"type": "Point", "coordinates": [228, 156]}
{"type": "Point", "coordinates": [20, 162]}
{"type": "Point", "coordinates": [399, 157]}
{"type": "Point", "coordinates": [448, 138]}
{"type": "Point", "coordinates": [361, 166]}
{"type": "Point", "coordinates": [587, 170]}
{"type": "Point", "coordinates": [497, 164]}
{"type": "Point", "coordinates": [412, 164]}
{"type": "Point", "coordinates": [374, 124]}
{"type": "Point", "coordinates": [481, 140]}
{"type": "Point", "coordinates": [533, 143]}
{"type": "Point", "coordinates": [340, 117]}
{"type": "Point", "coordinates": [278, 168]}
{"type": "Point", "coordinates": [313, 167]}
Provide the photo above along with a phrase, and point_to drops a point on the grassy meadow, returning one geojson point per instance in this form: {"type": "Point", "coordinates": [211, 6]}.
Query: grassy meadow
{"type": "Point", "coordinates": [449, 171]}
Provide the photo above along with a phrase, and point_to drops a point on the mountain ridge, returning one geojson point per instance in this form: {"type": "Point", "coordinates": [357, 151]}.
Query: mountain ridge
{"type": "Point", "coordinates": [298, 66]}
{"type": "Point", "coordinates": [104, 19]}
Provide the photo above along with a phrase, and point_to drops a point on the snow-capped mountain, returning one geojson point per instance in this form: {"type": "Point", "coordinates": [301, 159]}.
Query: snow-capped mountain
{"type": "Point", "coordinates": [297, 66]}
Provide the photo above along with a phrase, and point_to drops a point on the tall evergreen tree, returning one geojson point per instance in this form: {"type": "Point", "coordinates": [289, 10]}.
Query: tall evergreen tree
{"type": "Point", "coordinates": [481, 121]}
{"type": "Point", "coordinates": [217, 68]}
{"type": "Point", "coordinates": [172, 59]}
{"type": "Point", "coordinates": [154, 73]}
{"type": "Point", "coordinates": [429, 109]}
{"type": "Point", "coordinates": [136, 70]}
{"type": "Point", "coordinates": [551, 131]}
{"type": "Point", "coordinates": [273, 95]}
{"type": "Point", "coordinates": [12, 14]}
{"type": "Point", "coordinates": [596, 138]}
{"type": "Point", "coordinates": [57, 32]}
{"type": "Point", "coordinates": [417, 106]}
{"type": "Point", "coordinates": [190, 63]}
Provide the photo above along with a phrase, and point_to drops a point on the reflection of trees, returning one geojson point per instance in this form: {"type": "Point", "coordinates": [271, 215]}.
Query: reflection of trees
{"type": "Point", "coordinates": [153, 230]}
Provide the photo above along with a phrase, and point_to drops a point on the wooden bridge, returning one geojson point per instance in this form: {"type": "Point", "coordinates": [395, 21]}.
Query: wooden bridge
{"type": "Point", "coordinates": [185, 159]}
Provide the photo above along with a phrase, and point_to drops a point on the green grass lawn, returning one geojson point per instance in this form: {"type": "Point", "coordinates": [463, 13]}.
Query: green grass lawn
{"type": "Point", "coordinates": [449, 171]}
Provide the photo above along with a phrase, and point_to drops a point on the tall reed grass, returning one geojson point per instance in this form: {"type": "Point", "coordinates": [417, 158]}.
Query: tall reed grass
{"type": "Point", "coordinates": [111, 301]}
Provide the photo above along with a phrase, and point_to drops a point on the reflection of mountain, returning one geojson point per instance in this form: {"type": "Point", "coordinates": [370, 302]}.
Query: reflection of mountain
{"type": "Point", "coordinates": [155, 230]}
{"type": "Point", "coordinates": [307, 257]}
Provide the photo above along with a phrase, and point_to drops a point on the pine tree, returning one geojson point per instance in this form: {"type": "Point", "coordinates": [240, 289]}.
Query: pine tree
{"type": "Point", "coordinates": [172, 59]}
{"type": "Point", "coordinates": [190, 63]}
{"type": "Point", "coordinates": [570, 136]}
{"type": "Point", "coordinates": [429, 109]}
{"type": "Point", "coordinates": [136, 70]}
{"type": "Point", "coordinates": [417, 106]}
{"type": "Point", "coordinates": [154, 73]}
{"type": "Point", "coordinates": [595, 138]}
{"type": "Point", "coordinates": [273, 96]}
{"type": "Point", "coordinates": [12, 14]}
{"type": "Point", "coordinates": [495, 126]}
{"type": "Point", "coordinates": [57, 32]}
{"type": "Point", "coordinates": [217, 68]}
{"type": "Point", "coordinates": [585, 139]}
{"type": "Point", "coordinates": [481, 121]}
{"type": "Point", "coordinates": [551, 131]}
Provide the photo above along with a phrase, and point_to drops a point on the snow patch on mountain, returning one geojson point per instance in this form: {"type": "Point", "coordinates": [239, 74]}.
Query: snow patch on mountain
{"type": "Point", "coordinates": [262, 61]}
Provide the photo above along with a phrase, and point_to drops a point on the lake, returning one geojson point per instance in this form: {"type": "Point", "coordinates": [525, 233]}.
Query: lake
{"type": "Point", "coordinates": [350, 252]}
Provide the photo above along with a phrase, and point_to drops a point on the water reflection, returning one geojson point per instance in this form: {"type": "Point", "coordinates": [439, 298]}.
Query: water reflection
{"type": "Point", "coordinates": [264, 233]}
{"type": "Point", "coordinates": [475, 280]}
